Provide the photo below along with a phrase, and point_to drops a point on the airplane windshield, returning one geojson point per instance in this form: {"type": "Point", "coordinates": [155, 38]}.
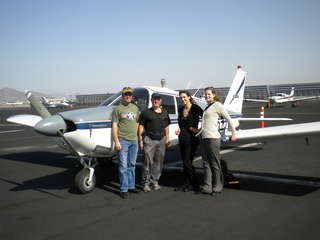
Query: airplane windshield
{"type": "Point", "coordinates": [111, 99]}
{"type": "Point", "coordinates": [140, 98]}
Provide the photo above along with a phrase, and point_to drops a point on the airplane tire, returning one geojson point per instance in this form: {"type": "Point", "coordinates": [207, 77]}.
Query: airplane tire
{"type": "Point", "coordinates": [224, 167]}
{"type": "Point", "coordinates": [81, 181]}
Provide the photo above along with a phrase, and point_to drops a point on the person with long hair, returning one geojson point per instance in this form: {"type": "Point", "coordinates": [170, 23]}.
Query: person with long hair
{"type": "Point", "coordinates": [210, 142]}
{"type": "Point", "coordinates": [188, 121]}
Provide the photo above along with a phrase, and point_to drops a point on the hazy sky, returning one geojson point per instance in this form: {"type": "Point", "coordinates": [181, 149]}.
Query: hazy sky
{"type": "Point", "coordinates": [101, 46]}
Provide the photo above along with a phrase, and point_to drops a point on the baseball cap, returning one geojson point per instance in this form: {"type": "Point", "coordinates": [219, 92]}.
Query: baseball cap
{"type": "Point", "coordinates": [126, 90]}
{"type": "Point", "coordinates": [154, 95]}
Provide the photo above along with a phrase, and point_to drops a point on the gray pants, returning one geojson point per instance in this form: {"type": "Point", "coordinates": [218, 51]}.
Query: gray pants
{"type": "Point", "coordinates": [153, 157]}
{"type": "Point", "coordinates": [213, 176]}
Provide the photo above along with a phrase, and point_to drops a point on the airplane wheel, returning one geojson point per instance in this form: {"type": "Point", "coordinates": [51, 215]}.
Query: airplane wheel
{"type": "Point", "coordinates": [224, 167]}
{"type": "Point", "coordinates": [81, 181]}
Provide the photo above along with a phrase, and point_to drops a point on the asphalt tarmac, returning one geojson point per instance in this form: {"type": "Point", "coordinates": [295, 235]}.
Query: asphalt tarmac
{"type": "Point", "coordinates": [277, 198]}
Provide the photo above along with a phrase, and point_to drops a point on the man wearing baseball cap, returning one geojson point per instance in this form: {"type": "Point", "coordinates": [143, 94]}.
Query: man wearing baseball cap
{"type": "Point", "coordinates": [124, 119]}
{"type": "Point", "coordinates": [153, 139]}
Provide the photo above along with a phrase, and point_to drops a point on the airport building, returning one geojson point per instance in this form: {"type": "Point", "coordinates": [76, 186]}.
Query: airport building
{"type": "Point", "coordinates": [91, 100]}
{"type": "Point", "coordinates": [253, 92]}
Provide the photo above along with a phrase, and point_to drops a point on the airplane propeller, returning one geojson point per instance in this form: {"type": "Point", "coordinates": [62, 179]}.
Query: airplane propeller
{"type": "Point", "coordinates": [51, 125]}
{"type": "Point", "coordinates": [43, 112]}
{"type": "Point", "coordinates": [55, 126]}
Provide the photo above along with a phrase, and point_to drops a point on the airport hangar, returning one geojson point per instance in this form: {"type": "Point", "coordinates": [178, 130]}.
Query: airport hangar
{"type": "Point", "coordinates": [253, 92]}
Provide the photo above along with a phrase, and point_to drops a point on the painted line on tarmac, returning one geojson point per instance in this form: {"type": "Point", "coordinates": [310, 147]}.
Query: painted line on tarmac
{"type": "Point", "coordinates": [26, 148]}
{"type": "Point", "coordinates": [239, 147]}
{"type": "Point", "coordinates": [10, 131]}
{"type": "Point", "coordinates": [10, 125]}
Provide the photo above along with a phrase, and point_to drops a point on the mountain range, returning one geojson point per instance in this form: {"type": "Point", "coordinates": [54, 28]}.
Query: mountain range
{"type": "Point", "coordinates": [12, 95]}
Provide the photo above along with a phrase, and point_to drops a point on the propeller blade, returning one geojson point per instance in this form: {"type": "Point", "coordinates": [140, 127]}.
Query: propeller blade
{"type": "Point", "coordinates": [43, 112]}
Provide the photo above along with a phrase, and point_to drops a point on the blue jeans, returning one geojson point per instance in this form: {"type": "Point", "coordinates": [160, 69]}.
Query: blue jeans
{"type": "Point", "coordinates": [127, 157]}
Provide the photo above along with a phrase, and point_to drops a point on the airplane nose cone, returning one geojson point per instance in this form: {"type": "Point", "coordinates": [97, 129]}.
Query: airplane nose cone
{"type": "Point", "coordinates": [50, 125]}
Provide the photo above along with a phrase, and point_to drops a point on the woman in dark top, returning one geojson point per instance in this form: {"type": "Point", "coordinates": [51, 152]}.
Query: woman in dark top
{"type": "Point", "coordinates": [188, 120]}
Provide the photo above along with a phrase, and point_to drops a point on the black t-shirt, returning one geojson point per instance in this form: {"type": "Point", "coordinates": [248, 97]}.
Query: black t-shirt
{"type": "Point", "coordinates": [192, 120]}
{"type": "Point", "coordinates": [154, 123]}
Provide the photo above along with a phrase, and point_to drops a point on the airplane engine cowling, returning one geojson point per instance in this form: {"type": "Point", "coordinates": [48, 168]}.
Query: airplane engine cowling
{"type": "Point", "coordinates": [50, 125]}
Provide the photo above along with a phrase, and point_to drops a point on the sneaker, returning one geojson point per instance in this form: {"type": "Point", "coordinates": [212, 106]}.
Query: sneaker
{"type": "Point", "coordinates": [124, 195]}
{"type": "Point", "coordinates": [156, 187]}
{"type": "Point", "coordinates": [205, 192]}
{"type": "Point", "coordinates": [146, 189]}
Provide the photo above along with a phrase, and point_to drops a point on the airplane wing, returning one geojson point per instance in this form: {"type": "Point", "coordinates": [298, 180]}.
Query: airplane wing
{"type": "Point", "coordinates": [301, 130]}
{"type": "Point", "coordinates": [263, 119]}
{"type": "Point", "coordinates": [25, 119]}
{"type": "Point", "coordinates": [303, 98]}
{"type": "Point", "coordinates": [255, 100]}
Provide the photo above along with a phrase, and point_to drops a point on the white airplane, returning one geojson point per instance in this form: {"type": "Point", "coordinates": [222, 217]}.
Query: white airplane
{"type": "Point", "coordinates": [14, 103]}
{"type": "Point", "coordinates": [282, 98]}
{"type": "Point", "coordinates": [86, 133]}
{"type": "Point", "coordinates": [55, 104]}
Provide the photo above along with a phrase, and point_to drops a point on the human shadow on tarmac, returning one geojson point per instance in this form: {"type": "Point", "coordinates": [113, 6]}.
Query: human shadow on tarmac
{"type": "Point", "coordinates": [107, 178]}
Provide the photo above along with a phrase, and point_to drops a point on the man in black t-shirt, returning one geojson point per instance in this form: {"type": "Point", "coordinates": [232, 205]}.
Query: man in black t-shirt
{"type": "Point", "coordinates": [153, 139]}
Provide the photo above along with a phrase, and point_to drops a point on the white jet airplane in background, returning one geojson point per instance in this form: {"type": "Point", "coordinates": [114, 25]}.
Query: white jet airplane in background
{"type": "Point", "coordinates": [14, 103]}
{"type": "Point", "coordinates": [282, 98]}
{"type": "Point", "coordinates": [55, 104]}
{"type": "Point", "coordinates": [86, 133]}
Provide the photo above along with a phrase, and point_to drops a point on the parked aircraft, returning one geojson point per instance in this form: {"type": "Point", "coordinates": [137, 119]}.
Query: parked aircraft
{"type": "Point", "coordinates": [55, 104]}
{"type": "Point", "coordinates": [14, 103]}
{"type": "Point", "coordinates": [86, 133]}
{"type": "Point", "coordinates": [282, 98]}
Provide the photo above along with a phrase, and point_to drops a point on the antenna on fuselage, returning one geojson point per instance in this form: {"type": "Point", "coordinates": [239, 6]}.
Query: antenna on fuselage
{"type": "Point", "coordinates": [188, 85]}
{"type": "Point", "coordinates": [163, 82]}
{"type": "Point", "coordinates": [197, 90]}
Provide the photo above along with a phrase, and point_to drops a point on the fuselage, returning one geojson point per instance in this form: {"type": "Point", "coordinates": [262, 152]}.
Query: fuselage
{"type": "Point", "coordinates": [89, 130]}
{"type": "Point", "coordinates": [281, 98]}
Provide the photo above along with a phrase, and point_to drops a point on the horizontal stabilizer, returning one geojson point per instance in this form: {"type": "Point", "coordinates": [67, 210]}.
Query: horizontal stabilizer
{"type": "Point", "coordinates": [25, 119]}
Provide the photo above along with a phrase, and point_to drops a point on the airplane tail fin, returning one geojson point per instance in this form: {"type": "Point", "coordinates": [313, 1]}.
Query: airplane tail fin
{"type": "Point", "coordinates": [44, 100]}
{"type": "Point", "coordinates": [43, 112]}
{"type": "Point", "coordinates": [292, 91]}
{"type": "Point", "coordinates": [234, 99]}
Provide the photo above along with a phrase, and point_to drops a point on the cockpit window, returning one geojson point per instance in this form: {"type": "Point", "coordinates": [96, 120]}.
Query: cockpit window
{"type": "Point", "coordinates": [179, 103]}
{"type": "Point", "coordinates": [141, 98]}
{"type": "Point", "coordinates": [201, 104]}
{"type": "Point", "coordinates": [168, 103]}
